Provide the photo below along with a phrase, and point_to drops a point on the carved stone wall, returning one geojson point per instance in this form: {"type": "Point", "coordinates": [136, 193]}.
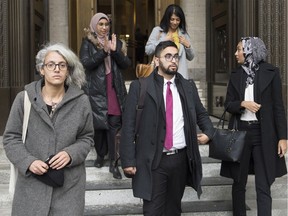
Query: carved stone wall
{"type": "Point", "coordinates": [273, 30]}
{"type": "Point", "coordinates": [58, 21]}
{"type": "Point", "coordinates": [15, 65]}
{"type": "Point", "coordinates": [4, 65]}
{"type": "Point", "coordinates": [3, 44]}
{"type": "Point", "coordinates": [19, 44]}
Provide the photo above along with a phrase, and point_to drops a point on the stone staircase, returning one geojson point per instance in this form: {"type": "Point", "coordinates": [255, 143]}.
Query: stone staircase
{"type": "Point", "coordinates": [108, 196]}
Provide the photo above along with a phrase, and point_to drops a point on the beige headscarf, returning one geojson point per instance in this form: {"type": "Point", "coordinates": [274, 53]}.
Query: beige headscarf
{"type": "Point", "coordinates": [94, 20]}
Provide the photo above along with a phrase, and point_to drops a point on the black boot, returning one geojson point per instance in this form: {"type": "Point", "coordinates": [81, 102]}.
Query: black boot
{"type": "Point", "coordinates": [113, 168]}
{"type": "Point", "coordinates": [99, 162]}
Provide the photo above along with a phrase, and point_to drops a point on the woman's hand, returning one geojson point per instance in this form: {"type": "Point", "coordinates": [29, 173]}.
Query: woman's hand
{"type": "Point", "coordinates": [282, 147]}
{"type": "Point", "coordinates": [184, 42]}
{"type": "Point", "coordinates": [113, 43]}
{"type": "Point", "coordinates": [106, 45]}
{"type": "Point", "coordinates": [59, 160]}
{"type": "Point", "coordinates": [38, 167]}
{"type": "Point", "coordinates": [169, 37]}
{"type": "Point", "coordinates": [251, 106]}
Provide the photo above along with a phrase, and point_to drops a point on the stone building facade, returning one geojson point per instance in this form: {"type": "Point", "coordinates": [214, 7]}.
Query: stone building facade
{"type": "Point", "coordinates": [214, 26]}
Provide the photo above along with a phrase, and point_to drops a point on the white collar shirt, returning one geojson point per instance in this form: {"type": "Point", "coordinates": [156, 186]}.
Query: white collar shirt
{"type": "Point", "coordinates": [178, 118]}
{"type": "Point", "coordinates": [249, 96]}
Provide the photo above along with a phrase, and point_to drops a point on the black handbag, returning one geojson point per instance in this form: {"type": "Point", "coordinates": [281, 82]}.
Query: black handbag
{"type": "Point", "coordinates": [53, 177]}
{"type": "Point", "coordinates": [227, 144]}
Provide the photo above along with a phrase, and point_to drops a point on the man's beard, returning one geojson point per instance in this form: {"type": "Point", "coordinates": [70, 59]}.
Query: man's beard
{"type": "Point", "coordinates": [170, 72]}
{"type": "Point", "coordinates": [166, 70]}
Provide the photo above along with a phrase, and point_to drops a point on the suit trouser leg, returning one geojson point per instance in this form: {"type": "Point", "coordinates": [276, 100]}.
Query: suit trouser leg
{"type": "Point", "coordinates": [169, 181]}
{"type": "Point", "coordinates": [174, 194]}
{"type": "Point", "coordinates": [264, 200]}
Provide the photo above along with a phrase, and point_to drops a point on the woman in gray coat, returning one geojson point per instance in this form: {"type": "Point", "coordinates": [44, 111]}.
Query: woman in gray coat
{"type": "Point", "coordinates": [60, 124]}
{"type": "Point", "coordinates": [173, 27]}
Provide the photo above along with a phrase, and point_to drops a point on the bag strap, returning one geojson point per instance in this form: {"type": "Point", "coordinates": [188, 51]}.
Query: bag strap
{"type": "Point", "coordinates": [139, 108]}
{"type": "Point", "coordinates": [222, 119]}
{"type": "Point", "coordinates": [140, 105]}
{"type": "Point", "coordinates": [27, 107]}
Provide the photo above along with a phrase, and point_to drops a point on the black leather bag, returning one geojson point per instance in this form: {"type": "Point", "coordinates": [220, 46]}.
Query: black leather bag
{"type": "Point", "coordinates": [53, 177]}
{"type": "Point", "coordinates": [227, 144]}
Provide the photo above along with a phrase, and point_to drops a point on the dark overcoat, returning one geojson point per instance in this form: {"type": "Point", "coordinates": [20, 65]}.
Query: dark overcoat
{"type": "Point", "coordinates": [268, 93]}
{"type": "Point", "coordinates": [92, 59]}
{"type": "Point", "coordinates": [145, 155]}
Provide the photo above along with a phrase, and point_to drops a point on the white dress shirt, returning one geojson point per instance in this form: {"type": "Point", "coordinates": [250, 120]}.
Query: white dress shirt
{"type": "Point", "coordinates": [249, 96]}
{"type": "Point", "coordinates": [178, 118]}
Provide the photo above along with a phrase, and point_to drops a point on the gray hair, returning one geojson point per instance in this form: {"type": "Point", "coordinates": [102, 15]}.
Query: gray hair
{"type": "Point", "coordinates": [76, 73]}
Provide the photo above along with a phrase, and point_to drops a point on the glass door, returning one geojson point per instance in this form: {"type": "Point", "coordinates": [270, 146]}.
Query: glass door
{"type": "Point", "coordinates": [122, 16]}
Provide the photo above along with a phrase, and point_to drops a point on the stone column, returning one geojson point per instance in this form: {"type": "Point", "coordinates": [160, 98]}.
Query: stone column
{"type": "Point", "coordinates": [195, 14]}
{"type": "Point", "coordinates": [58, 21]}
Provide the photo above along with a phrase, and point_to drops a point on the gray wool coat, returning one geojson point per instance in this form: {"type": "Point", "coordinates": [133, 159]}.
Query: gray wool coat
{"type": "Point", "coordinates": [70, 129]}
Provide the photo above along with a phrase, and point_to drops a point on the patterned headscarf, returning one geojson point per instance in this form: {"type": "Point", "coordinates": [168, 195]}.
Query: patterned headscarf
{"type": "Point", "coordinates": [254, 51]}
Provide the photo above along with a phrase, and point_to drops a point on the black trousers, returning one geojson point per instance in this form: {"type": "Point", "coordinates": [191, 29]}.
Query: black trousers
{"type": "Point", "coordinates": [105, 139]}
{"type": "Point", "coordinates": [252, 150]}
{"type": "Point", "coordinates": [169, 181]}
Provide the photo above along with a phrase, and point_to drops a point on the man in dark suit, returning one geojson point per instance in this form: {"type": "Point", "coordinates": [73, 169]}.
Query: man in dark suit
{"type": "Point", "coordinates": [160, 172]}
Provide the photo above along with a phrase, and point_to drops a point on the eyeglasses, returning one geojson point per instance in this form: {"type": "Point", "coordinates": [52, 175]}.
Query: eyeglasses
{"type": "Point", "coordinates": [104, 24]}
{"type": "Point", "coordinates": [52, 66]}
{"type": "Point", "coordinates": [169, 57]}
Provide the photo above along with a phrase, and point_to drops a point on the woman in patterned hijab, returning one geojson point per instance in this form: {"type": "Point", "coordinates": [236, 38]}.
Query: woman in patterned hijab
{"type": "Point", "coordinates": [254, 100]}
{"type": "Point", "coordinates": [254, 51]}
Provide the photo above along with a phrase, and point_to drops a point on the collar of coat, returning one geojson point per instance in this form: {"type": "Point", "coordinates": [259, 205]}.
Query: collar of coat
{"type": "Point", "coordinates": [92, 38]}
{"type": "Point", "coordinates": [264, 76]}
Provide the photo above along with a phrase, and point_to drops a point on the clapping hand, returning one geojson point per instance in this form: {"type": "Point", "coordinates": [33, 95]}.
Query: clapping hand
{"type": "Point", "coordinates": [113, 42]}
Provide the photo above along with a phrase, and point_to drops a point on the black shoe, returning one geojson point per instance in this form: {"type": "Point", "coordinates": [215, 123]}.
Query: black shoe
{"type": "Point", "coordinates": [115, 170]}
{"type": "Point", "coordinates": [99, 162]}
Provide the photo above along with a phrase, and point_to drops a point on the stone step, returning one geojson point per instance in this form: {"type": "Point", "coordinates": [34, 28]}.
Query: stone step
{"type": "Point", "coordinates": [108, 196]}
{"type": "Point", "coordinates": [210, 167]}
{"type": "Point", "coordinates": [189, 208]}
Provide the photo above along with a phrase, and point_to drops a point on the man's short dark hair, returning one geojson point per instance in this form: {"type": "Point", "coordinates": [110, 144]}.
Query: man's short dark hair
{"type": "Point", "coordinates": [163, 45]}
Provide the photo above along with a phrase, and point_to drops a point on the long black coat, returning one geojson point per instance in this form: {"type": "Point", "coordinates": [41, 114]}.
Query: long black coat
{"type": "Point", "coordinates": [268, 93]}
{"type": "Point", "coordinates": [92, 59]}
{"type": "Point", "coordinates": [145, 155]}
